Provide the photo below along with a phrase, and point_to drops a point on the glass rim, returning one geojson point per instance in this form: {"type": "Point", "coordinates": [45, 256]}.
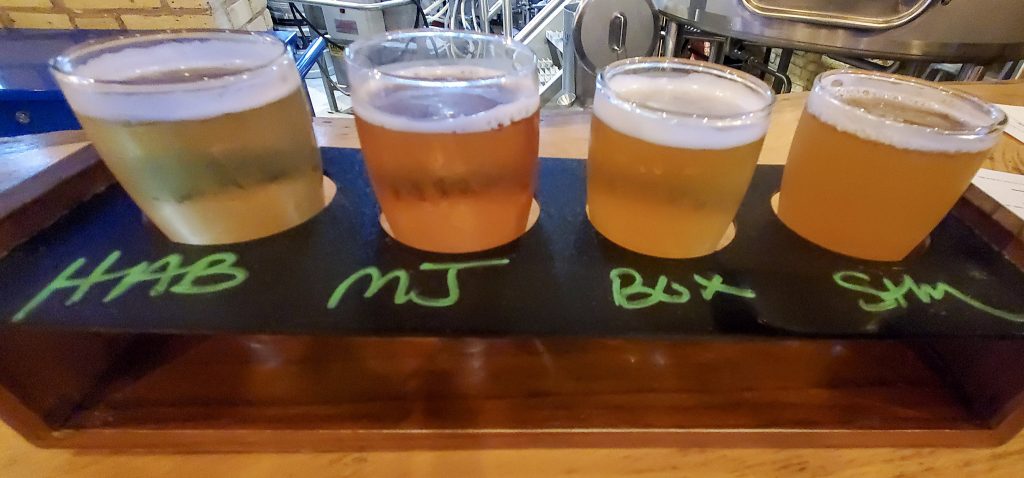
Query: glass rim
{"type": "Point", "coordinates": [57, 64]}
{"type": "Point", "coordinates": [352, 55]}
{"type": "Point", "coordinates": [995, 114]}
{"type": "Point", "coordinates": [681, 64]}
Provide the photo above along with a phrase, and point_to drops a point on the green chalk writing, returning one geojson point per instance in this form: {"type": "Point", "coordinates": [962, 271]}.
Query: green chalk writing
{"type": "Point", "coordinates": [633, 294]}
{"type": "Point", "coordinates": [222, 264]}
{"type": "Point", "coordinates": [402, 279]}
{"type": "Point", "coordinates": [145, 272]}
{"type": "Point", "coordinates": [710, 287]}
{"type": "Point", "coordinates": [216, 272]}
{"type": "Point", "coordinates": [638, 296]}
{"type": "Point", "coordinates": [893, 295]}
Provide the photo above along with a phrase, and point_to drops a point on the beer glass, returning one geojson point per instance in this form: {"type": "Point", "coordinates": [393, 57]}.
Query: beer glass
{"type": "Point", "coordinates": [673, 146]}
{"type": "Point", "coordinates": [209, 132]}
{"type": "Point", "coordinates": [448, 122]}
{"type": "Point", "coordinates": [878, 160]}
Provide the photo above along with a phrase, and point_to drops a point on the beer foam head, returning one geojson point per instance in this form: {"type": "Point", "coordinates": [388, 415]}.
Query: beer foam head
{"type": "Point", "coordinates": [682, 109]}
{"type": "Point", "coordinates": [438, 98]}
{"type": "Point", "coordinates": [904, 113]}
{"type": "Point", "coordinates": [180, 77]}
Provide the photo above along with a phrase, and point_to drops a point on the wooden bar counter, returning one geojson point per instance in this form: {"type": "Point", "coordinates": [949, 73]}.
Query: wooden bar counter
{"type": "Point", "coordinates": [562, 135]}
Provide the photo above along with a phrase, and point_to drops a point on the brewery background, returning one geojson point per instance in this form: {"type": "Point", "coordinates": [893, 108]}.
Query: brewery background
{"type": "Point", "coordinates": [785, 42]}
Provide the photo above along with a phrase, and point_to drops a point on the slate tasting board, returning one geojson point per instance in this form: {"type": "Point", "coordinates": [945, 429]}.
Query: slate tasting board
{"type": "Point", "coordinates": [557, 281]}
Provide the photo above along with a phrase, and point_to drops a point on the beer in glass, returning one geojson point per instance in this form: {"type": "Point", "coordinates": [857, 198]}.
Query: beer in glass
{"type": "Point", "coordinates": [878, 160]}
{"type": "Point", "coordinates": [673, 146]}
{"type": "Point", "coordinates": [448, 123]}
{"type": "Point", "coordinates": [209, 132]}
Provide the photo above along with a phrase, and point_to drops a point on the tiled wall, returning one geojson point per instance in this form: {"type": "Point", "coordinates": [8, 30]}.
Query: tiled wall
{"type": "Point", "coordinates": [135, 14]}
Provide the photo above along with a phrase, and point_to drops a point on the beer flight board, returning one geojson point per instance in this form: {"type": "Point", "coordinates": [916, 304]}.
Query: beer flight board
{"type": "Point", "coordinates": [102, 267]}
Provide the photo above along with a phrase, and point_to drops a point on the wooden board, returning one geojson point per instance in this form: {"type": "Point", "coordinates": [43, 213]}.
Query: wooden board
{"type": "Point", "coordinates": [518, 360]}
{"type": "Point", "coordinates": [247, 393]}
{"type": "Point", "coordinates": [330, 275]}
{"type": "Point", "coordinates": [563, 136]}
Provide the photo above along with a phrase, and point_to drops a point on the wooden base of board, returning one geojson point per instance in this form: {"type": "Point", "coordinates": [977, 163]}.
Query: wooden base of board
{"type": "Point", "coordinates": [121, 391]}
{"type": "Point", "coordinates": [205, 393]}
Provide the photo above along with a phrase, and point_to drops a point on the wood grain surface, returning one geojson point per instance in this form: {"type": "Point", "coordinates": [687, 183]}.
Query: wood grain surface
{"type": "Point", "coordinates": [563, 135]}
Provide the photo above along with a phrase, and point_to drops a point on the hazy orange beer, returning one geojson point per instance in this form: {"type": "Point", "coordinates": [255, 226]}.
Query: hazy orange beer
{"type": "Point", "coordinates": [878, 160]}
{"type": "Point", "coordinates": [673, 146]}
{"type": "Point", "coordinates": [449, 126]}
{"type": "Point", "coordinates": [209, 132]}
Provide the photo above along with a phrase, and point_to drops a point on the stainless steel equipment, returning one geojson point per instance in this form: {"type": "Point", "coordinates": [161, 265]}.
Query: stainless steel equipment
{"type": "Point", "coordinates": [348, 24]}
{"type": "Point", "coordinates": [605, 31]}
{"type": "Point", "coordinates": [341, 22]}
{"type": "Point", "coordinates": [580, 38]}
{"type": "Point", "coordinates": [344, 21]}
{"type": "Point", "coordinates": [545, 35]}
{"type": "Point", "coordinates": [954, 31]}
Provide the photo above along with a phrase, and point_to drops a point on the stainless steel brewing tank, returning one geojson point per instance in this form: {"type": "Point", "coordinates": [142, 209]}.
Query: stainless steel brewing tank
{"type": "Point", "coordinates": [954, 31]}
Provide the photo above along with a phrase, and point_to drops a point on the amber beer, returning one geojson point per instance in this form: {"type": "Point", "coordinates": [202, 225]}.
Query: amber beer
{"type": "Point", "coordinates": [212, 139]}
{"type": "Point", "coordinates": [673, 147]}
{"type": "Point", "coordinates": [878, 160]}
{"type": "Point", "coordinates": [450, 140]}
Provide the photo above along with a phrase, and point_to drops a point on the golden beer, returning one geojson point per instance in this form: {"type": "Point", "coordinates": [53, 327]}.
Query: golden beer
{"type": "Point", "coordinates": [450, 146]}
{"type": "Point", "coordinates": [211, 154]}
{"type": "Point", "coordinates": [878, 160]}
{"type": "Point", "coordinates": [673, 146]}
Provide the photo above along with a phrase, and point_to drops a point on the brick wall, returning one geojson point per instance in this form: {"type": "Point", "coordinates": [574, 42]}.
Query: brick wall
{"type": "Point", "coordinates": [803, 68]}
{"type": "Point", "coordinates": [135, 14]}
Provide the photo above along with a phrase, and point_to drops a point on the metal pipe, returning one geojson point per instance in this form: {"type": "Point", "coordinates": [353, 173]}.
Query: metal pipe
{"type": "Point", "coordinates": [493, 10]}
{"type": "Point", "coordinates": [717, 50]}
{"type": "Point", "coordinates": [767, 57]}
{"type": "Point", "coordinates": [440, 16]}
{"type": "Point", "coordinates": [482, 8]}
{"type": "Point", "coordinates": [535, 27]}
{"type": "Point", "coordinates": [671, 34]}
{"type": "Point", "coordinates": [430, 8]}
{"type": "Point", "coordinates": [462, 15]}
{"type": "Point", "coordinates": [329, 86]}
{"type": "Point", "coordinates": [384, 5]}
{"type": "Point", "coordinates": [780, 81]}
{"type": "Point", "coordinates": [472, 15]}
{"type": "Point", "coordinates": [785, 57]}
{"type": "Point", "coordinates": [865, 64]}
{"type": "Point", "coordinates": [1011, 70]}
{"type": "Point", "coordinates": [971, 72]}
{"type": "Point", "coordinates": [313, 52]}
{"type": "Point", "coordinates": [506, 18]}
{"type": "Point", "coordinates": [917, 69]}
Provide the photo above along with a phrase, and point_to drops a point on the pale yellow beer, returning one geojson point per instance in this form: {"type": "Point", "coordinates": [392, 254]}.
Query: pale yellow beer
{"type": "Point", "coordinates": [673, 146]}
{"type": "Point", "coordinates": [209, 133]}
{"type": "Point", "coordinates": [449, 127]}
{"type": "Point", "coordinates": [878, 160]}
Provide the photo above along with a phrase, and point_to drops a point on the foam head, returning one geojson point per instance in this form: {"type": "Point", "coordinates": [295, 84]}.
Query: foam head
{"type": "Point", "coordinates": [450, 98]}
{"type": "Point", "coordinates": [175, 77]}
{"type": "Point", "coordinates": [905, 113]}
{"type": "Point", "coordinates": [682, 104]}
{"type": "Point", "coordinates": [438, 81]}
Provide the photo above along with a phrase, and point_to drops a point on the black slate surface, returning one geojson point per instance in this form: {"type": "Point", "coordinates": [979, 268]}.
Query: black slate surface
{"type": "Point", "coordinates": [556, 283]}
